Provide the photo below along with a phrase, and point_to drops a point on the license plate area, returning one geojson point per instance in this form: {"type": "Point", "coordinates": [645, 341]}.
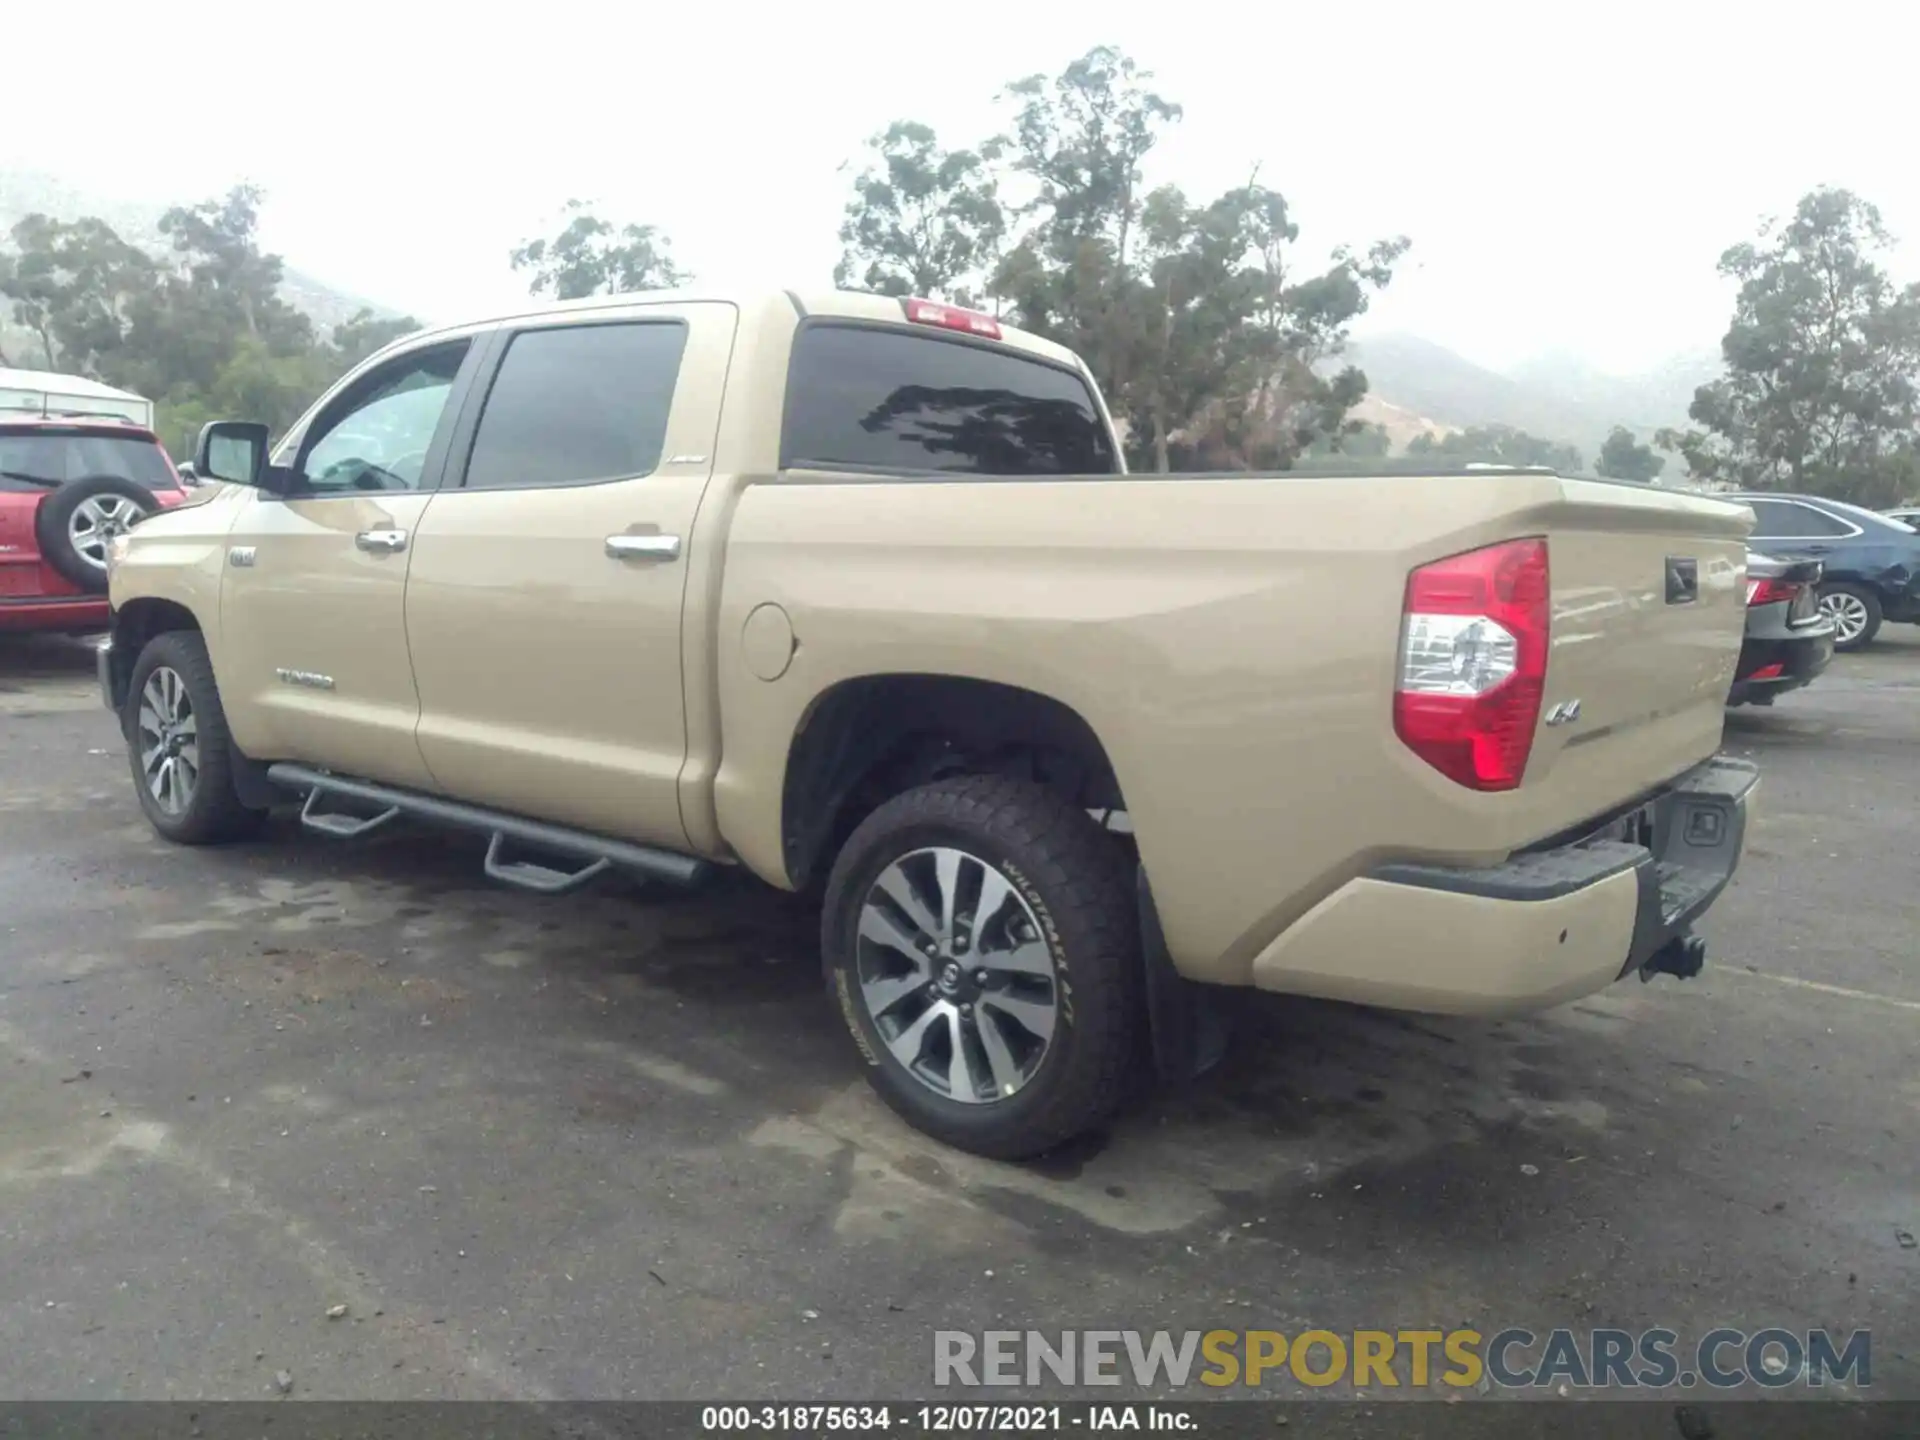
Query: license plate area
{"type": "Point", "coordinates": [1633, 828]}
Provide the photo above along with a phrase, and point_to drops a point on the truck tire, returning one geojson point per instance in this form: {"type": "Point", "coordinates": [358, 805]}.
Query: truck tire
{"type": "Point", "coordinates": [1013, 1027]}
{"type": "Point", "coordinates": [1856, 614]}
{"type": "Point", "coordinates": [74, 523]}
{"type": "Point", "coordinates": [179, 747]}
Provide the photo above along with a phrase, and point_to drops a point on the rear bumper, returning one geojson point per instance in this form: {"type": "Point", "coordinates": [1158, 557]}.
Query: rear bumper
{"type": "Point", "coordinates": [1773, 665]}
{"type": "Point", "coordinates": [1547, 926]}
{"type": "Point", "coordinates": [1901, 603]}
{"type": "Point", "coordinates": [85, 612]}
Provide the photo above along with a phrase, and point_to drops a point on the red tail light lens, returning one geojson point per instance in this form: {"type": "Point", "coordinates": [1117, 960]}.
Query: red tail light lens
{"type": "Point", "coordinates": [949, 317]}
{"type": "Point", "coordinates": [1770, 592]}
{"type": "Point", "coordinates": [1473, 662]}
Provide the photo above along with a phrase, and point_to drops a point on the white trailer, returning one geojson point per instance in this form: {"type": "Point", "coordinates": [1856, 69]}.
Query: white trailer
{"type": "Point", "coordinates": [47, 394]}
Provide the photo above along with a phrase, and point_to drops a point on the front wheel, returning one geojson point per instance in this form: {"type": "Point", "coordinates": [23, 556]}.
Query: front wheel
{"type": "Point", "coordinates": [982, 942]}
{"type": "Point", "coordinates": [178, 744]}
{"type": "Point", "coordinates": [1855, 612]}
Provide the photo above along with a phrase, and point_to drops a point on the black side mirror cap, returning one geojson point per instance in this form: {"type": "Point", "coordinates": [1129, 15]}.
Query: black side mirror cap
{"type": "Point", "coordinates": [231, 450]}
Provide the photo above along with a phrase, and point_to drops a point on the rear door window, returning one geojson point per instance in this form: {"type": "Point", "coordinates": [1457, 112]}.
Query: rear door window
{"type": "Point", "coordinates": [870, 398]}
{"type": "Point", "coordinates": [1769, 517]}
{"type": "Point", "coordinates": [1806, 520]}
{"type": "Point", "coordinates": [578, 404]}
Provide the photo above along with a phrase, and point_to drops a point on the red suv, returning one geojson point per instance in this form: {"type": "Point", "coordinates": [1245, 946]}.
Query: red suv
{"type": "Point", "coordinates": [68, 485]}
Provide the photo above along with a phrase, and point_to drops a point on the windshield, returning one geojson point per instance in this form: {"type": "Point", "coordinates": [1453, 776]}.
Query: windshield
{"type": "Point", "coordinates": [44, 457]}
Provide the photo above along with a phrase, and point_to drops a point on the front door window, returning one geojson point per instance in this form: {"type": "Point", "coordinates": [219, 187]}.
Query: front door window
{"type": "Point", "coordinates": [376, 436]}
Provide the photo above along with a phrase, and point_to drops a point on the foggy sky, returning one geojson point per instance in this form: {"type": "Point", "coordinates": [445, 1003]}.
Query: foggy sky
{"type": "Point", "coordinates": [1568, 173]}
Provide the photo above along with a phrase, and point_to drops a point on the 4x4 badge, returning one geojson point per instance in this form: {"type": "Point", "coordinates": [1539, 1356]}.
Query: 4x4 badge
{"type": "Point", "coordinates": [1565, 713]}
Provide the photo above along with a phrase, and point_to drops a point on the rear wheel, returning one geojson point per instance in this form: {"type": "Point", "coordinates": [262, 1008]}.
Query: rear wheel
{"type": "Point", "coordinates": [1855, 612]}
{"type": "Point", "coordinates": [179, 747]}
{"type": "Point", "coordinates": [982, 942]}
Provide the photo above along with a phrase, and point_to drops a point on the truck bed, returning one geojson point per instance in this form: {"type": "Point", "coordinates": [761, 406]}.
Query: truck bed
{"type": "Point", "coordinates": [1233, 640]}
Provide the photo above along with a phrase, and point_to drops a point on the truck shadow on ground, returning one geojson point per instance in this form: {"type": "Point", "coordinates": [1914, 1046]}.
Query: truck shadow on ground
{"type": "Point", "coordinates": [1763, 727]}
{"type": "Point", "coordinates": [1318, 1111]}
{"type": "Point", "coordinates": [28, 658]}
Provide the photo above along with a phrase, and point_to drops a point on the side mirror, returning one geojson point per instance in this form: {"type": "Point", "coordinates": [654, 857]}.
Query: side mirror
{"type": "Point", "coordinates": [231, 450]}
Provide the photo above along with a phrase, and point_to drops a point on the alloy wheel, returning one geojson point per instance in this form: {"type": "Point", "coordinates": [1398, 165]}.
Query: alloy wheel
{"type": "Point", "coordinates": [1848, 613]}
{"type": "Point", "coordinates": [168, 736]}
{"type": "Point", "coordinates": [95, 521]}
{"type": "Point", "coordinates": [956, 976]}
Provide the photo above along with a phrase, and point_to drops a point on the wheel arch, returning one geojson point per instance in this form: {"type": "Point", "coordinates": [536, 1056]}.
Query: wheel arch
{"type": "Point", "coordinates": [866, 739]}
{"type": "Point", "coordinates": [134, 624]}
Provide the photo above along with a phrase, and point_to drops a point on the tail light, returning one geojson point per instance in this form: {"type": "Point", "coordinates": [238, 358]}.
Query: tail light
{"type": "Point", "coordinates": [1473, 662]}
{"type": "Point", "coordinates": [1769, 592]}
{"type": "Point", "coordinates": [951, 317]}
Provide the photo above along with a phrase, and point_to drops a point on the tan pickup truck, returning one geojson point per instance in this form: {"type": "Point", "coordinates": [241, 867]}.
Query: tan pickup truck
{"type": "Point", "coordinates": [856, 592]}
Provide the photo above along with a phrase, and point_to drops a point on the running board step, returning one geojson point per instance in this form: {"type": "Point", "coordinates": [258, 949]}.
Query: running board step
{"type": "Point", "coordinates": [531, 875]}
{"type": "Point", "coordinates": [341, 824]}
{"type": "Point", "coordinates": [593, 855]}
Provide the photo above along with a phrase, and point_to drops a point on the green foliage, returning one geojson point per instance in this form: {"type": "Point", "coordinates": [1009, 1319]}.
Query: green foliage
{"type": "Point", "coordinates": [923, 220]}
{"type": "Point", "coordinates": [1496, 445]}
{"type": "Point", "coordinates": [1080, 139]}
{"type": "Point", "coordinates": [72, 284]}
{"type": "Point", "coordinates": [1822, 356]}
{"type": "Point", "coordinates": [363, 333]}
{"type": "Point", "coordinates": [591, 256]}
{"type": "Point", "coordinates": [1624, 458]}
{"type": "Point", "coordinates": [201, 329]}
{"type": "Point", "coordinates": [1211, 350]}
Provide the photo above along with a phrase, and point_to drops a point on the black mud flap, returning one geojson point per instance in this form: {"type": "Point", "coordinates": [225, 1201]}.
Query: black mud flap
{"type": "Point", "coordinates": [1189, 1037]}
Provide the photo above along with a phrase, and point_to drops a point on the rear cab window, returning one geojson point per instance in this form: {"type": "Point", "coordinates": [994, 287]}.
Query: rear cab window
{"type": "Point", "coordinates": [43, 457]}
{"type": "Point", "coordinates": [882, 399]}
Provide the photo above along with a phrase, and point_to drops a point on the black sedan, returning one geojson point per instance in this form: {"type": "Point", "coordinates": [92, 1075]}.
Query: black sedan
{"type": "Point", "coordinates": [1872, 562]}
{"type": "Point", "coordinates": [1790, 640]}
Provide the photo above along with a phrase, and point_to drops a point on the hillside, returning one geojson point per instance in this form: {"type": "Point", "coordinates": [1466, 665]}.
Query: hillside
{"type": "Point", "coordinates": [1558, 397]}
{"type": "Point", "coordinates": [23, 193]}
{"type": "Point", "coordinates": [1401, 424]}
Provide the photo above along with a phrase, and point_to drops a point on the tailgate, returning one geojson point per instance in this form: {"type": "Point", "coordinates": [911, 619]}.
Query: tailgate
{"type": "Point", "coordinates": [1649, 608]}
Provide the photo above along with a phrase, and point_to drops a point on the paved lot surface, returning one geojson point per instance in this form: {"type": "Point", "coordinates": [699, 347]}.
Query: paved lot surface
{"type": "Point", "coordinates": [616, 1147]}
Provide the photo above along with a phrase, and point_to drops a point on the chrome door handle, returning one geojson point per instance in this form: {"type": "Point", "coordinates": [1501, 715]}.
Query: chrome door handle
{"type": "Point", "coordinates": [384, 542]}
{"type": "Point", "coordinates": [649, 547]}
